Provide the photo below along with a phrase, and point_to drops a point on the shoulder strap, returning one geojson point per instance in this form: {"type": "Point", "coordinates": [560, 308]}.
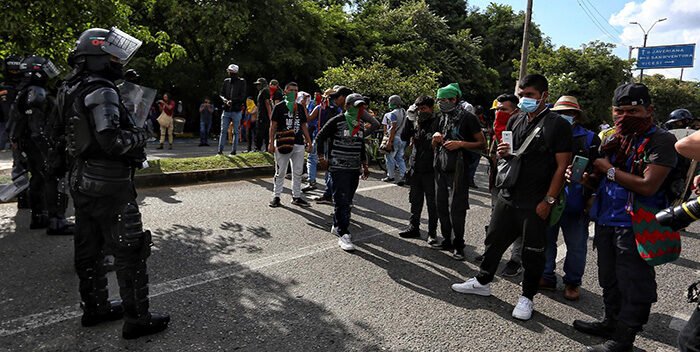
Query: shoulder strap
{"type": "Point", "coordinates": [530, 137]}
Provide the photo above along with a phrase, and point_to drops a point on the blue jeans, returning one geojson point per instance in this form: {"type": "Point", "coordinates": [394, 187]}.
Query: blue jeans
{"type": "Point", "coordinates": [395, 158]}
{"type": "Point", "coordinates": [204, 128]}
{"type": "Point", "coordinates": [575, 230]}
{"type": "Point", "coordinates": [311, 164]}
{"type": "Point", "coordinates": [226, 118]}
{"type": "Point", "coordinates": [344, 186]}
{"type": "Point", "coordinates": [471, 171]}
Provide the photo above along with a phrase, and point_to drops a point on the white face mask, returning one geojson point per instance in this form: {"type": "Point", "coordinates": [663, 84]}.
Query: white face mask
{"type": "Point", "coordinates": [568, 118]}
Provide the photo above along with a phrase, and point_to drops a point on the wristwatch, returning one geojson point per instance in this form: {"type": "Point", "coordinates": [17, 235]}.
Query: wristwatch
{"type": "Point", "coordinates": [550, 200]}
{"type": "Point", "coordinates": [611, 174]}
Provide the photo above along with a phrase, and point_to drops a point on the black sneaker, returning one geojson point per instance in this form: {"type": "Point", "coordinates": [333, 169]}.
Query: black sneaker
{"type": "Point", "coordinates": [300, 202]}
{"type": "Point", "coordinates": [387, 179]}
{"type": "Point", "coordinates": [401, 183]}
{"type": "Point", "coordinates": [275, 202]}
{"type": "Point", "coordinates": [411, 232]}
{"type": "Point", "coordinates": [310, 187]}
{"type": "Point", "coordinates": [233, 153]}
{"type": "Point", "coordinates": [458, 254]}
{"type": "Point", "coordinates": [432, 239]}
{"type": "Point", "coordinates": [220, 153]}
{"type": "Point", "coordinates": [512, 269]}
{"type": "Point", "coordinates": [444, 246]}
{"type": "Point", "coordinates": [323, 200]}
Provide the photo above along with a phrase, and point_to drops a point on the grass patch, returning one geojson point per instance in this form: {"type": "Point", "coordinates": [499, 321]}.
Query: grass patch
{"type": "Point", "coordinates": [207, 163]}
{"type": "Point", "coordinates": [5, 179]}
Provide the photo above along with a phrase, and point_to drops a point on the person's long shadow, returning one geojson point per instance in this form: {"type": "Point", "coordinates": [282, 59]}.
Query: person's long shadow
{"type": "Point", "coordinates": [380, 251]}
{"type": "Point", "coordinates": [165, 194]}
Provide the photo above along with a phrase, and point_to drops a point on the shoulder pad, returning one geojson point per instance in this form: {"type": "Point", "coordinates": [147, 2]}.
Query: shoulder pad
{"type": "Point", "coordinates": [102, 96]}
{"type": "Point", "coordinates": [36, 96]}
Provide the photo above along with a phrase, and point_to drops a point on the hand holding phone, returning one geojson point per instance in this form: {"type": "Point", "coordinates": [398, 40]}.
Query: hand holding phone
{"type": "Point", "coordinates": [578, 168]}
{"type": "Point", "coordinates": [507, 137]}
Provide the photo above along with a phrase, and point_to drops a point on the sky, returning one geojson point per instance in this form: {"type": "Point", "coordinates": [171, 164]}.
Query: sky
{"type": "Point", "coordinates": [576, 22]}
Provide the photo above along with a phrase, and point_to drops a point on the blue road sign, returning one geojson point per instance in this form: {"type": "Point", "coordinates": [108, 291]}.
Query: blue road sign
{"type": "Point", "coordinates": [669, 56]}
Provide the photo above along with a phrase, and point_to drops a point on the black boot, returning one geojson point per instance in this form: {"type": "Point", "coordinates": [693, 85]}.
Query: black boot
{"type": "Point", "coordinates": [40, 220]}
{"type": "Point", "coordinates": [93, 292]}
{"type": "Point", "coordinates": [411, 232]}
{"type": "Point", "coordinates": [604, 328]}
{"type": "Point", "coordinates": [60, 227]}
{"type": "Point", "coordinates": [133, 286]}
{"type": "Point", "coordinates": [622, 341]}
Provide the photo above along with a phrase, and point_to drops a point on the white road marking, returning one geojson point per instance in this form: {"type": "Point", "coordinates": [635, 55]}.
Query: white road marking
{"type": "Point", "coordinates": [679, 320]}
{"type": "Point", "coordinates": [376, 187]}
{"type": "Point", "coordinates": [50, 317]}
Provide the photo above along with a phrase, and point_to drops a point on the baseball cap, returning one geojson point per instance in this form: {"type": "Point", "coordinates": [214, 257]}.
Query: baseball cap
{"type": "Point", "coordinates": [342, 91]}
{"type": "Point", "coordinates": [232, 68]}
{"type": "Point", "coordinates": [355, 99]}
{"type": "Point", "coordinates": [632, 94]}
{"type": "Point", "coordinates": [261, 81]}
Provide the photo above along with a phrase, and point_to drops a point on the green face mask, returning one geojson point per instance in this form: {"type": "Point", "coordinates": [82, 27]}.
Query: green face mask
{"type": "Point", "coordinates": [351, 117]}
{"type": "Point", "coordinates": [392, 106]}
{"type": "Point", "coordinates": [290, 99]}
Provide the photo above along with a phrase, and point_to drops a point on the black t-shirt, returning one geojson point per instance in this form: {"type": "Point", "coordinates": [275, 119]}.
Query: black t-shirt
{"type": "Point", "coordinates": [538, 162]}
{"type": "Point", "coordinates": [289, 121]}
{"type": "Point", "coordinates": [263, 96]}
{"type": "Point", "coordinates": [459, 125]}
{"type": "Point", "coordinates": [278, 96]}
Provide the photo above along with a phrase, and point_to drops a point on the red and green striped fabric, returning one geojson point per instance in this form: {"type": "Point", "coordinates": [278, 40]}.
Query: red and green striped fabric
{"type": "Point", "coordinates": [656, 244]}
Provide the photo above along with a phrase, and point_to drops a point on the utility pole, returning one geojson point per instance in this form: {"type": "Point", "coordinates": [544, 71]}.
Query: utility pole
{"type": "Point", "coordinates": [629, 58]}
{"type": "Point", "coordinates": [526, 43]}
{"type": "Point", "coordinates": [641, 72]}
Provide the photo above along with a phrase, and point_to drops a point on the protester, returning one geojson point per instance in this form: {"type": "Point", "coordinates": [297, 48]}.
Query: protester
{"type": "Point", "coordinates": [457, 132]}
{"type": "Point", "coordinates": [206, 110]}
{"type": "Point", "coordinates": [165, 120]}
{"type": "Point", "coordinates": [421, 175]}
{"type": "Point", "coordinates": [275, 92]}
{"type": "Point", "coordinates": [336, 103]}
{"type": "Point", "coordinates": [289, 138]}
{"type": "Point", "coordinates": [320, 114]}
{"type": "Point", "coordinates": [522, 209]}
{"type": "Point", "coordinates": [634, 164]}
{"type": "Point", "coordinates": [250, 122]}
{"type": "Point", "coordinates": [574, 217]}
{"type": "Point", "coordinates": [233, 95]}
{"type": "Point", "coordinates": [394, 123]}
{"type": "Point", "coordinates": [346, 155]}
{"type": "Point", "coordinates": [262, 125]}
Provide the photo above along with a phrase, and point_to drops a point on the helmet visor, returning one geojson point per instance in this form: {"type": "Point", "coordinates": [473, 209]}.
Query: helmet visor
{"type": "Point", "coordinates": [50, 69]}
{"type": "Point", "coordinates": [121, 45]}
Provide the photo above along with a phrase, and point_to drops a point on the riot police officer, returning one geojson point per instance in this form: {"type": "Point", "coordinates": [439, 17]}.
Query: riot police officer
{"type": "Point", "coordinates": [8, 92]}
{"type": "Point", "coordinates": [105, 147]}
{"type": "Point", "coordinates": [33, 119]}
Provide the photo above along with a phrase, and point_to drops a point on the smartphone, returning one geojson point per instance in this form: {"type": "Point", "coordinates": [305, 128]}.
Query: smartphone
{"type": "Point", "coordinates": [578, 168]}
{"type": "Point", "coordinates": [508, 138]}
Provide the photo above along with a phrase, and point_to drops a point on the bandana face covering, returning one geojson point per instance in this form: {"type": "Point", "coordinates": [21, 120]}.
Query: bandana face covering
{"type": "Point", "coordinates": [352, 117]}
{"type": "Point", "coordinates": [290, 99]}
{"type": "Point", "coordinates": [629, 125]}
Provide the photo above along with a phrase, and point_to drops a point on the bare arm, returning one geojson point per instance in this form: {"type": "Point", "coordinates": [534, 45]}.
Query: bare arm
{"type": "Point", "coordinates": [314, 114]}
{"type": "Point", "coordinates": [689, 146]}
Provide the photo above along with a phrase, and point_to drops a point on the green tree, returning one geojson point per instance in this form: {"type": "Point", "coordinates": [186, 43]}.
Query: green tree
{"type": "Point", "coordinates": [668, 94]}
{"type": "Point", "coordinates": [377, 81]}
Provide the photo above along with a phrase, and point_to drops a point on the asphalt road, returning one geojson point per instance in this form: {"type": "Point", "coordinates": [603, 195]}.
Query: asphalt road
{"type": "Point", "coordinates": [237, 275]}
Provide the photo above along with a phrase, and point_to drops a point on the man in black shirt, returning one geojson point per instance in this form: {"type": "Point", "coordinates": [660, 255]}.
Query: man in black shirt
{"type": "Point", "coordinates": [457, 133]}
{"type": "Point", "coordinates": [289, 135]}
{"type": "Point", "coordinates": [262, 126]}
{"type": "Point", "coordinates": [420, 175]}
{"type": "Point", "coordinates": [523, 209]}
{"type": "Point", "coordinates": [233, 95]}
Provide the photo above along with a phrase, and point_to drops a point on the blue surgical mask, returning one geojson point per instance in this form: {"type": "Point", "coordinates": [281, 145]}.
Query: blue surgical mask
{"type": "Point", "coordinates": [528, 104]}
{"type": "Point", "coordinates": [569, 119]}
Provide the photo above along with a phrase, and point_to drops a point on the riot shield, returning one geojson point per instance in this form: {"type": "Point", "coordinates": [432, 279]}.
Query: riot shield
{"type": "Point", "coordinates": [138, 100]}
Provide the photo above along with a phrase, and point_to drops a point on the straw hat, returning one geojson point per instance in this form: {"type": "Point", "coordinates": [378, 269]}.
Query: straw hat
{"type": "Point", "coordinates": [566, 102]}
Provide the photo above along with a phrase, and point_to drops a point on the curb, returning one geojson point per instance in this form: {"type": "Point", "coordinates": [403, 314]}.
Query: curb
{"type": "Point", "coordinates": [193, 177]}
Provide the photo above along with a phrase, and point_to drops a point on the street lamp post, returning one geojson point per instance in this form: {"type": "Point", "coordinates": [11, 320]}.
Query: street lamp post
{"type": "Point", "coordinates": [646, 35]}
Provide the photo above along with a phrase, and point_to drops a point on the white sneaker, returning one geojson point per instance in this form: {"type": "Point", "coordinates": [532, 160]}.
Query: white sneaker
{"type": "Point", "coordinates": [523, 310]}
{"type": "Point", "coordinates": [345, 243]}
{"type": "Point", "coordinates": [334, 230]}
{"type": "Point", "coordinates": [472, 287]}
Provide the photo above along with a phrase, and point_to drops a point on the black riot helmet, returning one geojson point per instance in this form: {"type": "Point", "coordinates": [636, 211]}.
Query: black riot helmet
{"type": "Point", "coordinates": [37, 69]}
{"type": "Point", "coordinates": [10, 68]}
{"type": "Point", "coordinates": [679, 118]}
{"type": "Point", "coordinates": [104, 52]}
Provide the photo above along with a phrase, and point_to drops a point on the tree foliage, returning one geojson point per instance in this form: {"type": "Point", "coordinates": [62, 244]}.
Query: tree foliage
{"type": "Point", "coordinates": [668, 94]}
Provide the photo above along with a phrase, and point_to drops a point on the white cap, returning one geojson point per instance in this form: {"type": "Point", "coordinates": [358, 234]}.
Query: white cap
{"type": "Point", "coordinates": [232, 68]}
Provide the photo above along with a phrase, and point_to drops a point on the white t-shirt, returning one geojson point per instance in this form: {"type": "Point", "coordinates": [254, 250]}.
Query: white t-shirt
{"type": "Point", "coordinates": [398, 116]}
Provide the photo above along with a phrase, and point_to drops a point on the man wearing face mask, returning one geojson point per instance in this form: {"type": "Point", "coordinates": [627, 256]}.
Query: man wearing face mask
{"type": "Point", "coordinates": [421, 173]}
{"type": "Point", "coordinates": [457, 133]}
{"type": "Point", "coordinates": [524, 208]}
{"type": "Point", "coordinates": [321, 113]}
{"type": "Point", "coordinates": [574, 218]}
{"type": "Point", "coordinates": [634, 164]}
